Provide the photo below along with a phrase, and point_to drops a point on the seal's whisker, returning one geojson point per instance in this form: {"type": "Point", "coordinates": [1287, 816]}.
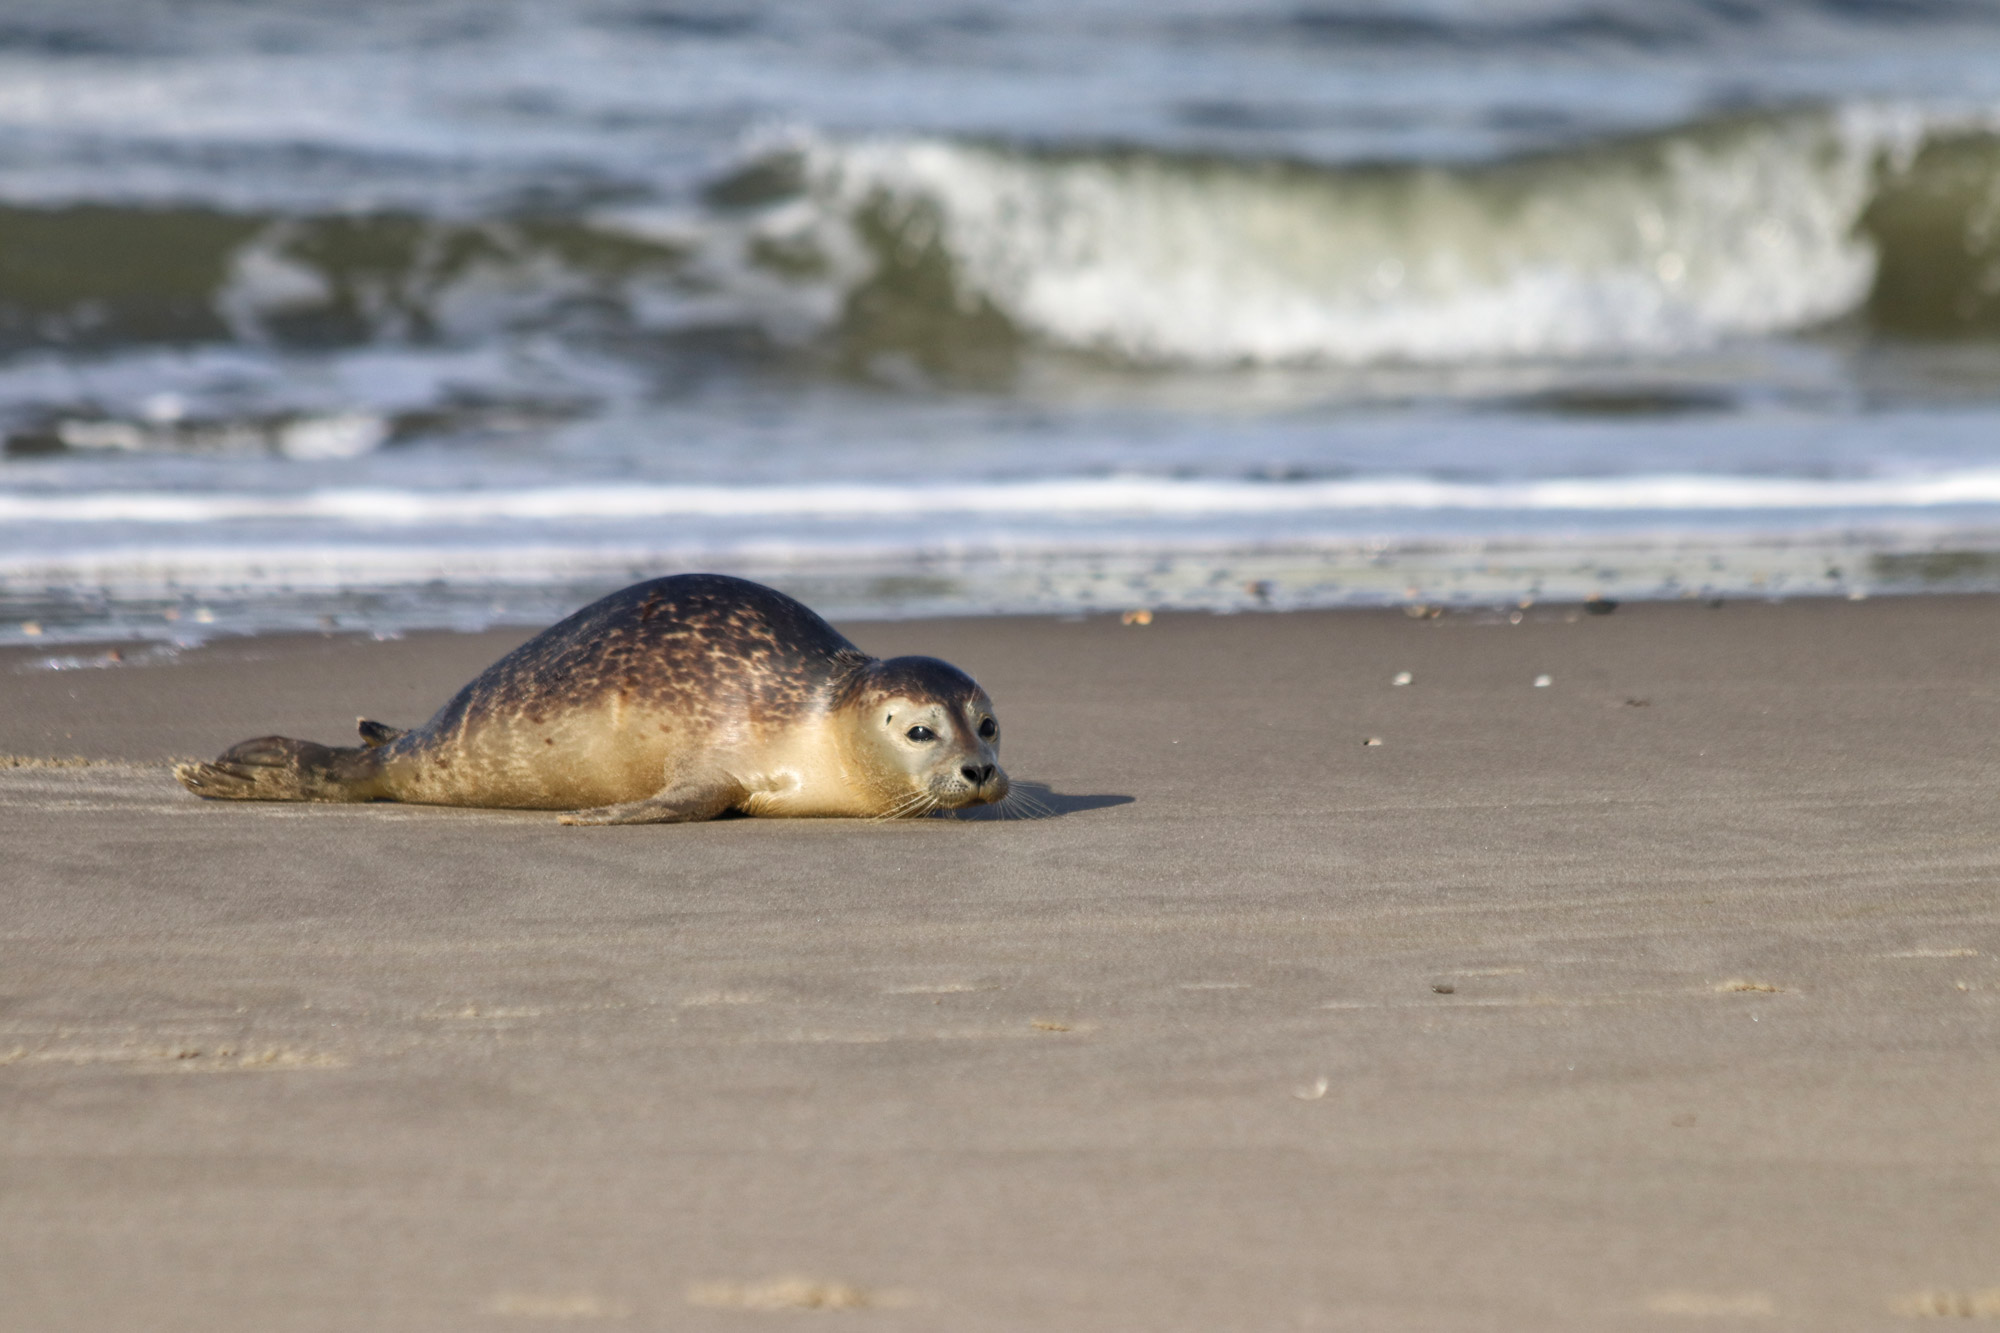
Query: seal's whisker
{"type": "Point", "coordinates": [916, 805]}
{"type": "Point", "coordinates": [894, 810]}
{"type": "Point", "coordinates": [1022, 804]}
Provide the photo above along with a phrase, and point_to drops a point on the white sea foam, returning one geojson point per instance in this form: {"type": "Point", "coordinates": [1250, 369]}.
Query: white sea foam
{"type": "Point", "coordinates": [182, 594]}
{"type": "Point", "coordinates": [368, 508]}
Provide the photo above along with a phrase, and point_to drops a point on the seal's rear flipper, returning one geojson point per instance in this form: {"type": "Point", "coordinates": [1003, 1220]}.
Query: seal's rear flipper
{"type": "Point", "coordinates": [377, 733]}
{"type": "Point", "coordinates": [277, 768]}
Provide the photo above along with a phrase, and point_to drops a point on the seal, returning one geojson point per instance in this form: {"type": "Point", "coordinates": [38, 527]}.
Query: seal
{"type": "Point", "coordinates": [674, 700]}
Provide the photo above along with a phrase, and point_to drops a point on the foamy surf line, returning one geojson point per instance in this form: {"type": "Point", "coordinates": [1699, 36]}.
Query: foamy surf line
{"type": "Point", "coordinates": [187, 593]}
{"type": "Point", "coordinates": [1109, 497]}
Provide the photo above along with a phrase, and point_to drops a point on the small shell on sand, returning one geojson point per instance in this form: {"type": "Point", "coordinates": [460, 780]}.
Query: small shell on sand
{"type": "Point", "coordinates": [792, 1293]}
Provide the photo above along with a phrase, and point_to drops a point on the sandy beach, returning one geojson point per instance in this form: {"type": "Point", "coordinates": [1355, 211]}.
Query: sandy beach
{"type": "Point", "coordinates": [1665, 994]}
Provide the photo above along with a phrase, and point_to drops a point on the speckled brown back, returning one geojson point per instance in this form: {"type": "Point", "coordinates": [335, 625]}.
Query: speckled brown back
{"type": "Point", "coordinates": [704, 645]}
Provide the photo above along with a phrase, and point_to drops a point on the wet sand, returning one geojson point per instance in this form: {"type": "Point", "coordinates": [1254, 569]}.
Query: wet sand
{"type": "Point", "coordinates": [1664, 995]}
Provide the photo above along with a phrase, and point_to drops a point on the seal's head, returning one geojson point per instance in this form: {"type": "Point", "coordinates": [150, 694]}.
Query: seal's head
{"type": "Point", "coordinates": [927, 734]}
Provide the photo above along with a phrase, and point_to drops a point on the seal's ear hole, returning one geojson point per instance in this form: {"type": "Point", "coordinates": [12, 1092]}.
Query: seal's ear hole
{"type": "Point", "coordinates": [921, 734]}
{"type": "Point", "coordinates": [988, 729]}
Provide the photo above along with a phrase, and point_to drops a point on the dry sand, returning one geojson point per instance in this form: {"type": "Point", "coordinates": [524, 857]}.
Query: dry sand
{"type": "Point", "coordinates": [1666, 995]}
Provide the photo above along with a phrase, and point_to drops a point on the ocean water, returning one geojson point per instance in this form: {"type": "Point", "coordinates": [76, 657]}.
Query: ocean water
{"type": "Point", "coordinates": [449, 312]}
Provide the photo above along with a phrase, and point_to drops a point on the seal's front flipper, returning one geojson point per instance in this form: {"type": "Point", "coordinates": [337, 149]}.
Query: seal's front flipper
{"type": "Point", "coordinates": [682, 803]}
{"type": "Point", "coordinates": [375, 734]}
{"type": "Point", "coordinates": [278, 768]}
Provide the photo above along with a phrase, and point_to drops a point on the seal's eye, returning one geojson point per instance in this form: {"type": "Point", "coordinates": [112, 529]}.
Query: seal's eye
{"type": "Point", "coordinates": [988, 730]}
{"type": "Point", "coordinates": [921, 734]}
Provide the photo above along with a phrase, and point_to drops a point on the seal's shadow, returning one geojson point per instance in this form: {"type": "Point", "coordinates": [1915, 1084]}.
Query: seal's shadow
{"type": "Point", "coordinates": [1037, 800]}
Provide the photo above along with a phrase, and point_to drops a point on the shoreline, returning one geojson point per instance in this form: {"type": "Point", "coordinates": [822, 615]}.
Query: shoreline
{"type": "Point", "coordinates": [70, 602]}
{"type": "Point", "coordinates": [1666, 992]}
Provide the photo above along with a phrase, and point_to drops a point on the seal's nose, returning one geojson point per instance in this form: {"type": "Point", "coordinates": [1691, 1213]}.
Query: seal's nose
{"type": "Point", "coordinates": [977, 773]}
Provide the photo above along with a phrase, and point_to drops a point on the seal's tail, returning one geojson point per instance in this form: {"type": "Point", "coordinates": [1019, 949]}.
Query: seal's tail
{"type": "Point", "coordinates": [278, 768]}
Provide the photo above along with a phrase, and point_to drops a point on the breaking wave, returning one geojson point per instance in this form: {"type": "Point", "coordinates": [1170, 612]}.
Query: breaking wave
{"type": "Point", "coordinates": [951, 255]}
{"type": "Point", "coordinates": [1749, 227]}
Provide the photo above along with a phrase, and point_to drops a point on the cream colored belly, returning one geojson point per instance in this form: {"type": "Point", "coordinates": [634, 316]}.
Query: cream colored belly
{"type": "Point", "coordinates": [570, 762]}
{"type": "Point", "coordinates": [601, 757]}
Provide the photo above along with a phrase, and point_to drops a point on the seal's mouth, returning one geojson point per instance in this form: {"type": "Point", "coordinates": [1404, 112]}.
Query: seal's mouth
{"type": "Point", "coordinates": [972, 784]}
